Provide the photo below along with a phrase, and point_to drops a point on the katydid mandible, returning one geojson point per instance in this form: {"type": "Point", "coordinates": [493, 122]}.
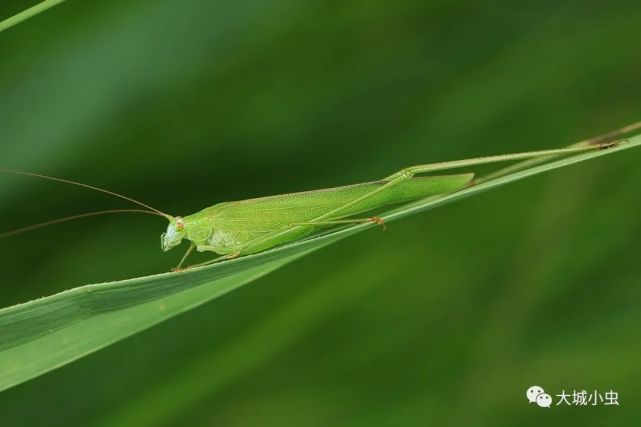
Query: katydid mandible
{"type": "Point", "coordinates": [232, 229]}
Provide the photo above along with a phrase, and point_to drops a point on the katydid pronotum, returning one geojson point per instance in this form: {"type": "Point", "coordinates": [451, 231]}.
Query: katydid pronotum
{"type": "Point", "coordinates": [232, 229]}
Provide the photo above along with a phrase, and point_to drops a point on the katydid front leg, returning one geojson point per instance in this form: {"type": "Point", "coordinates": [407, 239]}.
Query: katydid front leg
{"type": "Point", "coordinates": [192, 245]}
{"type": "Point", "coordinates": [212, 261]}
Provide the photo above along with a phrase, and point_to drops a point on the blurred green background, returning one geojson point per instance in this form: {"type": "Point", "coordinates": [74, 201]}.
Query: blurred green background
{"type": "Point", "coordinates": [448, 317]}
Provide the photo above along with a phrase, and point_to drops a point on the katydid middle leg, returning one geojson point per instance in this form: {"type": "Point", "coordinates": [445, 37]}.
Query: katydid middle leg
{"type": "Point", "coordinates": [373, 219]}
{"type": "Point", "coordinates": [277, 236]}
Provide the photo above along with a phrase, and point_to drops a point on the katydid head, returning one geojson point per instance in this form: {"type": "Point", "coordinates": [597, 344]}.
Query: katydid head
{"type": "Point", "coordinates": [176, 231]}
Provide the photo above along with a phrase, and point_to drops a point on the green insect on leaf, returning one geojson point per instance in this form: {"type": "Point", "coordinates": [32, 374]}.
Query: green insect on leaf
{"type": "Point", "coordinates": [233, 229]}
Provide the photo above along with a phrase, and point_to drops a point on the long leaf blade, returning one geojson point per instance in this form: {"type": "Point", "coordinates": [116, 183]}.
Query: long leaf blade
{"type": "Point", "coordinates": [41, 335]}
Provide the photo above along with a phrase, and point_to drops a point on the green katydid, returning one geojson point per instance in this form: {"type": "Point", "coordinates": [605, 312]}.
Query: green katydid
{"type": "Point", "coordinates": [232, 229]}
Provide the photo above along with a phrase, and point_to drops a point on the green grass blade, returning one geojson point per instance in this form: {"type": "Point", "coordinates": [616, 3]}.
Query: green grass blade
{"type": "Point", "coordinates": [41, 335]}
{"type": "Point", "coordinates": [28, 13]}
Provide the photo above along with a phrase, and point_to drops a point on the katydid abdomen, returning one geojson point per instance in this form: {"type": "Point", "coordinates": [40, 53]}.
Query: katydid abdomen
{"type": "Point", "coordinates": [253, 225]}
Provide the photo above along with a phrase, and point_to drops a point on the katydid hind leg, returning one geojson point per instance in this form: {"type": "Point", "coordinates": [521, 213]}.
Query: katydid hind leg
{"type": "Point", "coordinates": [432, 167]}
{"type": "Point", "coordinates": [407, 173]}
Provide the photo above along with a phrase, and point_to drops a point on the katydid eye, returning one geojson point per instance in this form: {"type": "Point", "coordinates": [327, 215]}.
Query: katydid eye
{"type": "Point", "coordinates": [180, 224]}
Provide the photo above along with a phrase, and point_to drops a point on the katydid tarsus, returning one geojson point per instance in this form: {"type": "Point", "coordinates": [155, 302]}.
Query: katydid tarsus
{"type": "Point", "coordinates": [232, 229]}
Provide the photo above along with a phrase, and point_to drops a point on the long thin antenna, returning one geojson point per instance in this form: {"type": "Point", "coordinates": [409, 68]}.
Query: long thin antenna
{"type": "Point", "coordinates": [91, 187]}
{"type": "Point", "coordinates": [72, 217]}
